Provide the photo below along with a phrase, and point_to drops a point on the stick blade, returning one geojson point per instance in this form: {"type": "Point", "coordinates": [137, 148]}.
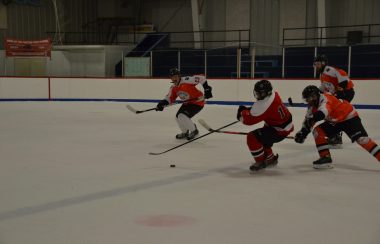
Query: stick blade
{"type": "Point", "coordinates": [205, 125]}
{"type": "Point", "coordinates": [130, 108]}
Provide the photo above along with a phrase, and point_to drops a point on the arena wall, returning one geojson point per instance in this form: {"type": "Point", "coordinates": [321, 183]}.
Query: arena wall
{"type": "Point", "coordinates": [226, 91]}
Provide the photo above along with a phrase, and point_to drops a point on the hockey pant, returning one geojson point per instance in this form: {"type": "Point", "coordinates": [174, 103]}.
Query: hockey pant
{"type": "Point", "coordinates": [184, 115]}
{"type": "Point", "coordinates": [353, 128]}
{"type": "Point", "coordinates": [260, 142]}
{"type": "Point", "coordinates": [348, 95]}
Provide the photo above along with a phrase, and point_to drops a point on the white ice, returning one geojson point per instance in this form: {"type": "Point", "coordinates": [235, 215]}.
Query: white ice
{"type": "Point", "coordinates": [80, 172]}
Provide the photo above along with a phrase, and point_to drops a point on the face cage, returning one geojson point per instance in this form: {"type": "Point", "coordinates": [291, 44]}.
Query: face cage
{"type": "Point", "coordinates": [311, 100]}
{"type": "Point", "coordinates": [175, 81]}
{"type": "Point", "coordinates": [260, 95]}
{"type": "Point", "coordinates": [323, 63]}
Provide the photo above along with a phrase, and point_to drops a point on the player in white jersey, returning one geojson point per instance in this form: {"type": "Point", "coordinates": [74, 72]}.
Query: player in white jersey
{"type": "Point", "coordinates": [336, 82]}
{"type": "Point", "coordinates": [185, 88]}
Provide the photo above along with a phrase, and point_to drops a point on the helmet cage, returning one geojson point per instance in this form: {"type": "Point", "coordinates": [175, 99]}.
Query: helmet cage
{"type": "Point", "coordinates": [175, 75]}
{"type": "Point", "coordinates": [174, 71]}
{"type": "Point", "coordinates": [321, 58]}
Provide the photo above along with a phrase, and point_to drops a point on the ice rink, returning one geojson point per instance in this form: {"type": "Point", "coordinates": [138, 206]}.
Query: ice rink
{"type": "Point", "coordinates": [80, 172]}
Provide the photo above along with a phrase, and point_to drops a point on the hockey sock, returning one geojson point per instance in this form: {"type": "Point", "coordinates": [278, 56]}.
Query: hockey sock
{"type": "Point", "coordinates": [185, 123]}
{"type": "Point", "coordinates": [256, 148]}
{"type": "Point", "coordinates": [369, 145]}
{"type": "Point", "coordinates": [321, 142]}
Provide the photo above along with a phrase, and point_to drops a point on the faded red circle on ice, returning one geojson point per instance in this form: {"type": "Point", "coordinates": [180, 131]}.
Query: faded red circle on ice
{"type": "Point", "coordinates": [165, 221]}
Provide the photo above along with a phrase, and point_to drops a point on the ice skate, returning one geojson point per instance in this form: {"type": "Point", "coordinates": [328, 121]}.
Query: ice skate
{"type": "Point", "coordinates": [181, 136]}
{"type": "Point", "coordinates": [272, 162]}
{"type": "Point", "coordinates": [258, 166]}
{"type": "Point", "coordinates": [192, 134]}
{"type": "Point", "coordinates": [323, 163]}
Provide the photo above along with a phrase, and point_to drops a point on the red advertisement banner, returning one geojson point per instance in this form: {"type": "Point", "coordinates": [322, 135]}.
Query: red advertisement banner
{"type": "Point", "coordinates": [15, 47]}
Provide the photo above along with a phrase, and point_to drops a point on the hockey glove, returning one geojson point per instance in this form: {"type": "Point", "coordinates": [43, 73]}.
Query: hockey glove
{"type": "Point", "coordinates": [207, 89]}
{"type": "Point", "coordinates": [340, 94]}
{"type": "Point", "coordinates": [301, 136]}
{"type": "Point", "coordinates": [241, 109]}
{"type": "Point", "coordinates": [161, 105]}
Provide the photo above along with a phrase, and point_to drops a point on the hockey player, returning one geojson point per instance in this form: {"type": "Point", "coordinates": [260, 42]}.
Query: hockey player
{"type": "Point", "coordinates": [338, 115]}
{"type": "Point", "coordinates": [185, 89]}
{"type": "Point", "coordinates": [336, 82]}
{"type": "Point", "coordinates": [278, 124]}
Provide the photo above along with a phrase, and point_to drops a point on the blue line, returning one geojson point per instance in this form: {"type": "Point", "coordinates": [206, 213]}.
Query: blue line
{"type": "Point", "coordinates": [231, 103]}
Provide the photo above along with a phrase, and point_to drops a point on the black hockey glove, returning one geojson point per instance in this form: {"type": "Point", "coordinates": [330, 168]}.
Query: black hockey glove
{"type": "Point", "coordinates": [241, 109]}
{"type": "Point", "coordinates": [300, 137]}
{"type": "Point", "coordinates": [340, 94]}
{"type": "Point", "coordinates": [207, 89]}
{"type": "Point", "coordinates": [161, 105]}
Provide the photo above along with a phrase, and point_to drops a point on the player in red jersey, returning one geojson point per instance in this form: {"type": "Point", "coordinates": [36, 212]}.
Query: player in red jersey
{"type": "Point", "coordinates": [338, 115]}
{"type": "Point", "coordinates": [185, 88]}
{"type": "Point", "coordinates": [278, 124]}
{"type": "Point", "coordinates": [336, 82]}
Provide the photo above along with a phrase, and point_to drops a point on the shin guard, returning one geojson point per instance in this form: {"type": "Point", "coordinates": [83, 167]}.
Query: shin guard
{"type": "Point", "coordinates": [370, 146]}
{"type": "Point", "coordinates": [321, 142]}
{"type": "Point", "coordinates": [256, 148]}
{"type": "Point", "coordinates": [185, 123]}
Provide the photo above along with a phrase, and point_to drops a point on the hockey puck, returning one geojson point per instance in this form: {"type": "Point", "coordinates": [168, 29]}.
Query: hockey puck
{"type": "Point", "coordinates": [172, 165]}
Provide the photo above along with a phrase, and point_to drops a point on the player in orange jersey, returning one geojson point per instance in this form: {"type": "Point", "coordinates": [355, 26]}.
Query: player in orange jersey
{"type": "Point", "coordinates": [278, 124]}
{"type": "Point", "coordinates": [185, 88]}
{"type": "Point", "coordinates": [338, 115]}
{"type": "Point", "coordinates": [336, 82]}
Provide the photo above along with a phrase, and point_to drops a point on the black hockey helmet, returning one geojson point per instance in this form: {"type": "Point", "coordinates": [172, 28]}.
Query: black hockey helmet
{"type": "Point", "coordinates": [174, 71]}
{"type": "Point", "coordinates": [311, 94]}
{"type": "Point", "coordinates": [321, 58]}
{"type": "Point", "coordinates": [263, 89]}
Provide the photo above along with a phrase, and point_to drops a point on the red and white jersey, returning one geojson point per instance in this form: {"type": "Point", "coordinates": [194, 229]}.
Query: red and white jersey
{"type": "Point", "coordinates": [186, 89]}
{"type": "Point", "coordinates": [331, 77]}
{"type": "Point", "coordinates": [273, 112]}
{"type": "Point", "coordinates": [334, 109]}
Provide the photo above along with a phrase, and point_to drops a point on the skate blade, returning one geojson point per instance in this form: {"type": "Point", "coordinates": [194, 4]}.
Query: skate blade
{"type": "Point", "coordinates": [324, 166]}
{"type": "Point", "coordinates": [272, 165]}
{"type": "Point", "coordinates": [184, 138]}
{"type": "Point", "coordinates": [335, 146]}
{"type": "Point", "coordinates": [256, 171]}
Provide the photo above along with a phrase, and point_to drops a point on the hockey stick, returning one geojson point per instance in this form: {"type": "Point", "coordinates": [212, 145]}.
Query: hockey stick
{"type": "Point", "coordinates": [207, 127]}
{"type": "Point", "coordinates": [133, 110]}
{"type": "Point", "coordinates": [197, 138]}
{"type": "Point", "coordinates": [295, 105]}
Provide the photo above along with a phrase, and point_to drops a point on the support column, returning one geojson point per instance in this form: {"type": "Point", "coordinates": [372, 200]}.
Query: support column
{"type": "Point", "coordinates": [238, 68]}
{"type": "Point", "coordinates": [321, 20]}
{"type": "Point", "coordinates": [195, 16]}
{"type": "Point", "coordinates": [253, 59]}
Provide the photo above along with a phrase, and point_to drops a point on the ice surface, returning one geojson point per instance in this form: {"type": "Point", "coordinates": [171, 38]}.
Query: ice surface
{"type": "Point", "coordinates": [80, 172]}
